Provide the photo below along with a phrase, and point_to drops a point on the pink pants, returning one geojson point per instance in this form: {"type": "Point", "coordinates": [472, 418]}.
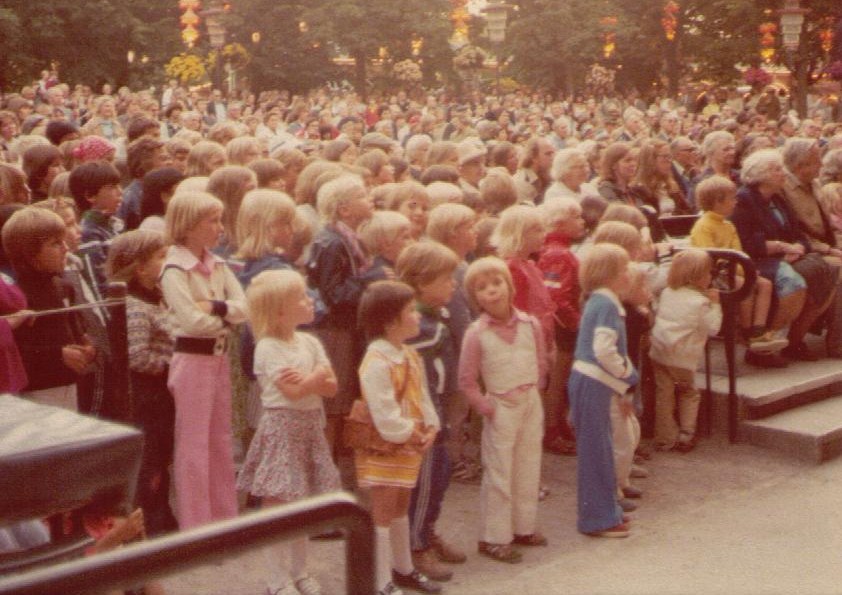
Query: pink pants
{"type": "Point", "coordinates": [203, 459]}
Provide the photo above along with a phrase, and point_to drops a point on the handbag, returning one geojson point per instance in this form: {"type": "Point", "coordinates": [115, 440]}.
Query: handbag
{"type": "Point", "coordinates": [359, 431]}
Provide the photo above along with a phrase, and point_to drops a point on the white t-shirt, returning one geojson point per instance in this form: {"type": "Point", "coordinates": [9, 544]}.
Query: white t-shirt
{"type": "Point", "coordinates": [271, 356]}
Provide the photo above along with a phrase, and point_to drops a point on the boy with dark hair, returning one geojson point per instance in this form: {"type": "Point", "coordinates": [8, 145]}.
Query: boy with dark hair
{"type": "Point", "coordinates": [95, 187]}
{"type": "Point", "coordinates": [428, 267]}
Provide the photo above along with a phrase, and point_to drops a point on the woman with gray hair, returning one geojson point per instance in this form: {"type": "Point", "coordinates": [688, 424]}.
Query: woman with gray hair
{"type": "Point", "coordinates": [719, 150]}
{"type": "Point", "coordinates": [570, 172]}
{"type": "Point", "coordinates": [769, 233]}
{"type": "Point", "coordinates": [831, 170]}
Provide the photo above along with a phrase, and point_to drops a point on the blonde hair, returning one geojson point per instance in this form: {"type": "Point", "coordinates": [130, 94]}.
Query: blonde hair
{"type": "Point", "coordinates": [559, 209]}
{"type": "Point", "coordinates": [199, 157]}
{"type": "Point", "coordinates": [228, 185]}
{"type": "Point", "coordinates": [621, 234]}
{"type": "Point", "coordinates": [713, 189]}
{"type": "Point", "coordinates": [312, 177]}
{"type": "Point", "coordinates": [830, 196]}
{"type": "Point", "coordinates": [130, 250]}
{"type": "Point", "coordinates": [192, 184]}
{"type": "Point", "coordinates": [334, 194]}
{"type": "Point", "coordinates": [602, 264]}
{"type": "Point", "coordinates": [687, 267]}
{"type": "Point", "coordinates": [626, 214]}
{"type": "Point", "coordinates": [401, 192]}
{"type": "Point", "coordinates": [259, 212]}
{"type": "Point", "coordinates": [445, 218]}
{"type": "Point", "coordinates": [444, 192]}
{"type": "Point", "coordinates": [497, 190]}
{"type": "Point", "coordinates": [423, 262]}
{"type": "Point", "coordinates": [383, 227]}
{"type": "Point", "coordinates": [509, 233]}
{"type": "Point", "coordinates": [185, 210]}
{"type": "Point", "coordinates": [482, 267]}
{"type": "Point", "coordinates": [237, 147]}
{"type": "Point", "coordinates": [266, 295]}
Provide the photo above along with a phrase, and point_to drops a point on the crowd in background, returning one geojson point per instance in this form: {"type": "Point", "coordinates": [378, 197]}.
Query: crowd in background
{"type": "Point", "coordinates": [449, 197]}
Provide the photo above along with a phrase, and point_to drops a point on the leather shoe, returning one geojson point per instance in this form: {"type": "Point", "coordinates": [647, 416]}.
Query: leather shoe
{"type": "Point", "coordinates": [800, 352]}
{"type": "Point", "coordinates": [426, 562]}
{"type": "Point", "coordinates": [446, 552]}
{"type": "Point", "coordinates": [415, 581]}
{"type": "Point", "coordinates": [766, 360]}
{"type": "Point", "coordinates": [632, 492]}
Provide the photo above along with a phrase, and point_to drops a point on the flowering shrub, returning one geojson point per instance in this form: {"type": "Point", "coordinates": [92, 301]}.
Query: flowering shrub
{"type": "Point", "coordinates": [599, 79]}
{"type": "Point", "coordinates": [187, 68]}
{"type": "Point", "coordinates": [407, 71]}
{"type": "Point", "coordinates": [469, 57]}
{"type": "Point", "coordinates": [234, 54]}
{"type": "Point", "coordinates": [757, 76]}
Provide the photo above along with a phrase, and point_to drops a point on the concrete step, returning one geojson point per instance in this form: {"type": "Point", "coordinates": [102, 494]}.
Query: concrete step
{"type": "Point", "coordinates": [764, 392]}
{"type": "Point", "coordinates": [811, 432]}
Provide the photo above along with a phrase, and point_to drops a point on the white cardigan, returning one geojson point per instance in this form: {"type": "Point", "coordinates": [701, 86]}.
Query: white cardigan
{"type": "Point", "coordinates": [686, 318]}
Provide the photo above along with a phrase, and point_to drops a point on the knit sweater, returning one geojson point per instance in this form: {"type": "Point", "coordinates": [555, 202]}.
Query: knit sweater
{"type": "Point", "coordinates": [149, 332]}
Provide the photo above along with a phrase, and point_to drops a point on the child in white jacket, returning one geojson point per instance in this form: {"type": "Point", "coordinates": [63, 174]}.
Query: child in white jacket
{"type": "Point", "coordinates": [688, 313]}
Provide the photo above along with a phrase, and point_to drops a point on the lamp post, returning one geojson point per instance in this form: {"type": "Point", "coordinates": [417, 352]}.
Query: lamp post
{"type": "Point", "coordinates": [792, 20]}
{"type": "Point", "coordinates": [496, 14]}
{"type": "Point", "coordinates": [216, 37]}
{"type": "Point", "coordinates": [669, 22]}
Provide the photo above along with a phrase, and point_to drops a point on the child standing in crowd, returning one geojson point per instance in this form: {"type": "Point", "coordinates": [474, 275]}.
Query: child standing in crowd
{"type": "Point", "coordinates": [505, 348]}
{"type": "Point", "coordinates": [205, 301]}
{"type": "Point", "coordinates": [54, 348]}
{"type": "Point", "coordinates": [289, 458]}
{"type": "Point", "coordinates": [136, 258]}
{"type": "Point", "coordinates": [602, 373]}
{"type": "Point", "coordinates": [96, 190]}
{"type": "Point", "coordinates": [339, 269]}
{"type": "Point", "coordinates": [561, 277]}
{"type": "Point", "coordinates": [384, 236]}
{"type": "Point", "coordinates": [393, 387]}
{"type": "Point", "coordinates": [410, 199]}
{"type": "Point", "coordinates": [688, 313]}
{"type": "Point", "coordinates": [453, 225]}
{"type": "Point", "coordinates": [428, 268]}
{"type": "Point", "coordinates": [264, 235]}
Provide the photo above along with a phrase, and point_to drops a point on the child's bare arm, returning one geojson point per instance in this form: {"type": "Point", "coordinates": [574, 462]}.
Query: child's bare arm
{"type": "Point", "coordinates": [296, 385]}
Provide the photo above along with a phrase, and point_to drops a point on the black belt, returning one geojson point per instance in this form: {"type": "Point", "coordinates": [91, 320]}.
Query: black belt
{"type": "Point", "coordinates": [216, 346]}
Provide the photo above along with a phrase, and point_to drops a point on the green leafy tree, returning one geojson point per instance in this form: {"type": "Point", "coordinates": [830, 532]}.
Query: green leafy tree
{"type": "Point", "coordinates": [361, 27]}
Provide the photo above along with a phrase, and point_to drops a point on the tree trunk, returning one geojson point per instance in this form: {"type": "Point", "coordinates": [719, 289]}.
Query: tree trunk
{"type": "Point", "coordinates": [360, 66]}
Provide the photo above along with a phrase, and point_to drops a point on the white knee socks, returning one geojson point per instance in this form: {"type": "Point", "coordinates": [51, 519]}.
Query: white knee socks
{"type": "Point", "coordinates": [383, 556]}
{"type": "Point", "coordinates": [401, 554]}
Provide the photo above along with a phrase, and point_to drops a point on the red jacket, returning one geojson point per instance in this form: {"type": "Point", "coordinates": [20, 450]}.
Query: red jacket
{"type": "Point", "coordinates": [561, 277]}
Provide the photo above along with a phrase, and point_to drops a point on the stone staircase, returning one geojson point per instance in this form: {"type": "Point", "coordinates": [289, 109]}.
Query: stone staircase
{"type": "Point", "coordinates": [795, 410]}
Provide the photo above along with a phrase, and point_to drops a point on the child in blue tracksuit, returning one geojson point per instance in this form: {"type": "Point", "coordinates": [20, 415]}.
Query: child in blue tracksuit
{"type": "Point", "coordinates": [602, 371]}
{"type": "Point", "coordinates": [428, 268]}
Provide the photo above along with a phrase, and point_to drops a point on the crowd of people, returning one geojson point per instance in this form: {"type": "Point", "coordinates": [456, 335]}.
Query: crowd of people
{"type": "Point", "coordinates": [393, 294]}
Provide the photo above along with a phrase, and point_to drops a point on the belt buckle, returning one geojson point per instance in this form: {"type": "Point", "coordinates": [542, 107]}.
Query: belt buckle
{"type": "Point", "coordinates": [220, 346]}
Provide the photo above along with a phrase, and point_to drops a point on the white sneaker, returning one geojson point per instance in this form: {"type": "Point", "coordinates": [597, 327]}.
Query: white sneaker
{"type": "Point", "coordinates": [288, 589]}
{"type": "Point", "coordinates": [307, 585]}
{"type": "Point", "coordinates": [390, 589]}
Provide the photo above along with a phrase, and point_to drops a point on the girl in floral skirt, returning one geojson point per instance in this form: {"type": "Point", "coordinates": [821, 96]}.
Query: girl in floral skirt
{"type": "Point", "coordinates": [289, 458]}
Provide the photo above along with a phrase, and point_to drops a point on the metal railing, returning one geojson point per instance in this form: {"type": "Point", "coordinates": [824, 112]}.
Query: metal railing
{"type": "Point", "coordinates": [728, 262]}
{"type": "Point", "coordinates": [137, 563]}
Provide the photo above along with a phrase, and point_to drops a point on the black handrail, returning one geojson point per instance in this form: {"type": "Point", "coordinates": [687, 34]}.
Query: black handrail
{"type": "Point", "coordinates": [137, 563]}
{"type": "Point", "coordinates": [730, 298]}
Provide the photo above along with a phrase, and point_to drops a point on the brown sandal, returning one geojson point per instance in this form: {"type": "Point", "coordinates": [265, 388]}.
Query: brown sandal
{"type": "Point", "coordinates": [532, 540]}
{"type": "Point", "coordinates": [501, 552]}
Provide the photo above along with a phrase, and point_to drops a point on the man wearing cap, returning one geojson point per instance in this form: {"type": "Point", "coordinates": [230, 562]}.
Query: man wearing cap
{"type": "Point", "coordinates": [471, 168]}
{"type": "Point", "coordinates": [533, 175]}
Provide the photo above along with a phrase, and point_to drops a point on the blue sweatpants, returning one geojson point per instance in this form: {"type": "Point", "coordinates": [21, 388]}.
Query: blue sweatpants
{"type": "Point", "coordinates": [428, 494]}
{"type": "Point", "coordinates": [590, 403]}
